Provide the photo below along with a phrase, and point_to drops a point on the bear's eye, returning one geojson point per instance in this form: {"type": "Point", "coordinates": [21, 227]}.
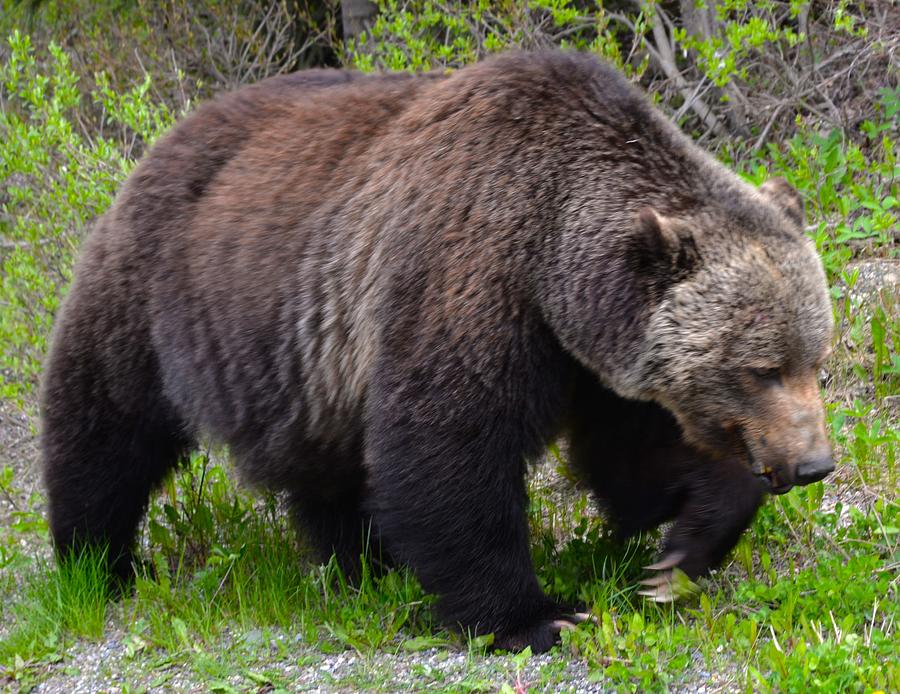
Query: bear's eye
{"type": "Point", "coordinates": [767, 374]}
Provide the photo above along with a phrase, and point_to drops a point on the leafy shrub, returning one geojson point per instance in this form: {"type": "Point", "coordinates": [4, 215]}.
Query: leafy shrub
{"type": "Point", "coordinates": [189, 46]}
{"type": "Point", "coordinates": [57, 178]}
{"type": "Point", "coordinates": [848, 185]}
{"type": "Point", "coordinates": [425, 35]}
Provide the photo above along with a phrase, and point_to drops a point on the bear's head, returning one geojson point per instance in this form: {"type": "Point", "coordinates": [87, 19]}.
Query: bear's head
{"type": "Point", "coordinates": [734, 345]}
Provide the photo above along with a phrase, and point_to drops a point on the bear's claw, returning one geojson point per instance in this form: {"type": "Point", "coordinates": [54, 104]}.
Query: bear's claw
{"type": "Point", "coordinates": [573, 620]}
{"type": "Point", "coordinates": [542, 635]}
{"type": "Point", "coordinates": [669, 561]}
{"type": "Point", "coordinates": [671, 583]}
{"type": "Point", "coordinates": [668, 586]}
{"type": "Point", "coordinates": [659, 588]}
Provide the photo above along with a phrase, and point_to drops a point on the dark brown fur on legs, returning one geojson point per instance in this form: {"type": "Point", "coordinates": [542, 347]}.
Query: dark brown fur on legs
{"type": "Point", "coordinates": [721, 499]}
{"type": "Point", "coordinates": [329, 500]}
{"type": "Point", "coordinates": [433, 421]}
{"type": "Point", "coordinates": [633, 456]}
{"type": "Point", "coordinates": [339, 527]}
{"type": "Point", "coordinates": [109, 435]}
{"type": "Point", "coordinates": [381, 293]}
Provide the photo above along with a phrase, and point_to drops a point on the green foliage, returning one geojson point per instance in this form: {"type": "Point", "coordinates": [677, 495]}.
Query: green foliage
{"type": "Point", "coordinates": [744, 29]}
{"type": "Point", "coordinates": [829, 626]}
{"type": "Point", "coordinates": [219, 559]}
{"type": "Point", "coordinates": [591, 566]}
{"type": "Point", "coordinates": [849, 186]}
{"type": "Point", "coordinates": [23, 522]}
{"type": "Point", "coordinates": [885, 330]}
{"type": "Point", "coordinates": [419, 36]}
{"type": "Point", "coordinates": [191, 47]}
{"type": "Point", "coordinates": [873, 442]}
{"type": "Point", "coordinates": [56, 179]}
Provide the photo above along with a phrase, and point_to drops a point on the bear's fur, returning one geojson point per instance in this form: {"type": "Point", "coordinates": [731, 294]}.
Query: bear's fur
{"type": "Point", "coordinates": [387, 293]}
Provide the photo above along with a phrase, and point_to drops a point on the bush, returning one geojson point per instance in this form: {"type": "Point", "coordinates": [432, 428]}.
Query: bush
{"type": "Point", "coordinates": [58, 177]}
{"type": "Point", "coordinates": [189, 46]}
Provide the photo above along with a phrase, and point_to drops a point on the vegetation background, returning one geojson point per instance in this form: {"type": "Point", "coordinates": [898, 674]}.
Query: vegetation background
{"type": "Point", "coordinates": [811, 597]}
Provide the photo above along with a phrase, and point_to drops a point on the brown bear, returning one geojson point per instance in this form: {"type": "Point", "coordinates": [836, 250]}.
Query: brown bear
{"type": "Point", "coordinates": [386, 294]}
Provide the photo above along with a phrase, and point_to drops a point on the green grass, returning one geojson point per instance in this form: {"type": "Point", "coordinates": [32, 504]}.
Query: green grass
{"type": "Point", "coordinates": [53, 604]}
{"type": "Point", "coordinates": [815, 612]}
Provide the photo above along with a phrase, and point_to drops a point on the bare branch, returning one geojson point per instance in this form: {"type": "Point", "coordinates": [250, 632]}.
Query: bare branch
{"type": "Point", "coordinates": [663, 53]}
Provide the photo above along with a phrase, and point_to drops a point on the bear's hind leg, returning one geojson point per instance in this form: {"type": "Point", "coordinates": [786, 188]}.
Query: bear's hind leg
{"type": "Point", "coordinates": [99, 486]}
{"type": "Point", "coordinates": [108, 437]}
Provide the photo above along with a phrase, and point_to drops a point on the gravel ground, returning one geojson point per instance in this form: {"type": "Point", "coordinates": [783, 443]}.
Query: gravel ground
{"type": "Point", "coordinates": [106, 666]}
{"type": "Point", "coordinates": [876, 277]}
{"type": "Point", "coordinates": [18, 449]}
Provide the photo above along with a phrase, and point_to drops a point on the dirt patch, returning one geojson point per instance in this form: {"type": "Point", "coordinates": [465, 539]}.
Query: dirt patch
{"type": "Point", "coordinates": [18, 451]}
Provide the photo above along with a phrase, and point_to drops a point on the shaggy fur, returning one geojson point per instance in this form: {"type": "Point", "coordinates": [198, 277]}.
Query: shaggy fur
{"type": "Point", "coordinates": [386, 293]}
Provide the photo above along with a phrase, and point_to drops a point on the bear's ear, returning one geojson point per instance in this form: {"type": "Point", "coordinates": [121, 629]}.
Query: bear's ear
{"type": "Point", "coordinates": [664, 247]}
{"type": "Point", "coordinates": [786, 198]}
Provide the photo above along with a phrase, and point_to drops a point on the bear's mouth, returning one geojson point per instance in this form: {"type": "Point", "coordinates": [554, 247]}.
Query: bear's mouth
{"type": "Point", "coordinates": [768, 475]}
{"type": "Point", "coordinates": [776, 486]}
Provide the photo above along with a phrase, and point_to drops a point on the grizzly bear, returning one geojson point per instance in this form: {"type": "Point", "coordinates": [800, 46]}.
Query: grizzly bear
{"type": "Point", "coordinates": [386, 294]}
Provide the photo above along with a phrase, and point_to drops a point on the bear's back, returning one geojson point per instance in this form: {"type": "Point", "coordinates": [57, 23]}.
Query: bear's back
{"type": "Point", "coordinates": [269, 227]}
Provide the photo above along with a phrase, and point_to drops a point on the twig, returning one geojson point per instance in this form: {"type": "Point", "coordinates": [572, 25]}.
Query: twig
{"type": "Point", "coordinates": [765, 133]}
{"type": "Point", "coordinates": [664, 54]}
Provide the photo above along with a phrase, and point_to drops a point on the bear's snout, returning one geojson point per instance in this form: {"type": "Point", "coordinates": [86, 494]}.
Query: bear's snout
{"type": "Point", "coordinates": [782, 478]}
{"type": "Point", "coordinates": [786, 441]}
{"type": "Point", "coordinates": [815, 469]}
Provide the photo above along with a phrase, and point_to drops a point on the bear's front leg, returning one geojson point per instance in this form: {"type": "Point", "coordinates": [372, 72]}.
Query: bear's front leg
{"type": "Point", "coordinates": [722, 499]}
{"type": "Point", "coordinates": [446, 459]}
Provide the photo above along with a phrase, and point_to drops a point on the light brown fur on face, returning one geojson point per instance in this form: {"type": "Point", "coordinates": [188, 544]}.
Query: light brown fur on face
{"type": "Point", "coordinates": [740, 373]}
{"type": "Point", "coordinates": [787, 428]}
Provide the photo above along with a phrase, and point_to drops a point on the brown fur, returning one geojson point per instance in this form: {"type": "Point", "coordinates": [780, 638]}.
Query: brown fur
{"type": "Point", "coordinates": [384, 292]}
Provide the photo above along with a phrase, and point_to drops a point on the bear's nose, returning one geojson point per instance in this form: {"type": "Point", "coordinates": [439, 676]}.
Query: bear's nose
{"type": "Point", "coordinates": [814, 469]}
